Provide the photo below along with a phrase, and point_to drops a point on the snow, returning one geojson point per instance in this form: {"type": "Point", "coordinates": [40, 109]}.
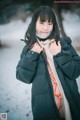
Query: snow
{"type": "Point", "coordinates": [15, 96]}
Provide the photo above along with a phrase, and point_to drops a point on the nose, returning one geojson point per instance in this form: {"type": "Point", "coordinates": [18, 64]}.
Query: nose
{"type": "Point", "coordinates": [45, 27]}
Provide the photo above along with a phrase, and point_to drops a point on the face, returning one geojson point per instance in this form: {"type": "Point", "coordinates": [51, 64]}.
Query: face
{"type": "Point", "coordinates": [43, 28]}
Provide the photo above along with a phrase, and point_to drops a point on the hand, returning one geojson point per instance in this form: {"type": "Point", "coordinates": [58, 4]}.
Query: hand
{"type": "Point", "coordinates": [37, 48]}
{"type": "Point", "coordinates": [55, 48]}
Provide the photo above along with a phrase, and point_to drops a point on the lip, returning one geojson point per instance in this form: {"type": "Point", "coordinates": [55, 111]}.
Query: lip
{"type": "Point", "coordinates": [44, 32]}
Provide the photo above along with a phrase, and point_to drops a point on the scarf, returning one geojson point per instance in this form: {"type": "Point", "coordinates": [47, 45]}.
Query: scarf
{"type": "Point", "coordinates": [60, 98]}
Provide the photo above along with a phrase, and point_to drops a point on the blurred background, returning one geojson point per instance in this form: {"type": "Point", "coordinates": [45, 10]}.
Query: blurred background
{"type": "Point", "coordinates": [15, 16]}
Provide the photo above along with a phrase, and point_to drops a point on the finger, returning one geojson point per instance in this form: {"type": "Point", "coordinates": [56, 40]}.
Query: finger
{"type": "Point", "coordinates": [59, 43]}
{"type": "Point", "coordinates": [53, 43]}
{"type": "Point", "coordinates": [35, 44]}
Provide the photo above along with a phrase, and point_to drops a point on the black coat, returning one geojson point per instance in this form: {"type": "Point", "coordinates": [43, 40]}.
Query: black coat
{"type": "Point", "coordinates": [32, 68]}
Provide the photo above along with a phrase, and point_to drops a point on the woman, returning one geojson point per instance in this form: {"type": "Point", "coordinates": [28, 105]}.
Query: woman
{"type": "Point", "coordinates": [52, 65]}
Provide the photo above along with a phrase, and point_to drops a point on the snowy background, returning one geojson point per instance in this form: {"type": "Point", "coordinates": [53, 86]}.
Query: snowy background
{"type": "Point", "coordinates": [15, 96]}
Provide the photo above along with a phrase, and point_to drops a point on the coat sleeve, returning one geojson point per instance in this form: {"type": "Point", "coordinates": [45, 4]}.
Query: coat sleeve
{"type": "Point", "coordinates": [69, 61]}
{"type": "Point", "coordinates": [26, 67]}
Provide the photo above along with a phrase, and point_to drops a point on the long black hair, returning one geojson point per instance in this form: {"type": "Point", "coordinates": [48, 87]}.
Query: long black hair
{"type": "Point", "coordinates": [45, 13]}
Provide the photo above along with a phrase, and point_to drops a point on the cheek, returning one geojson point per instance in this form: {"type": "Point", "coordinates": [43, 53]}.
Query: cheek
{"type": "Point", "coordinates": [38, 28]}
{"type": "Point", "coordinates": [51, 28]}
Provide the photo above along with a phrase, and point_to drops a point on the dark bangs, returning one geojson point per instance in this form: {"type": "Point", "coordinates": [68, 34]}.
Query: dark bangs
{"type": "Point", "coordinates": [45, 17]}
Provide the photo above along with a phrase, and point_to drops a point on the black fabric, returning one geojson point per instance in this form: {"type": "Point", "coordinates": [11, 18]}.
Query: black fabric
{"type": "Point", "coordinates": [40, 39]}
{"type": "Point", "coordinates": [32, 68]}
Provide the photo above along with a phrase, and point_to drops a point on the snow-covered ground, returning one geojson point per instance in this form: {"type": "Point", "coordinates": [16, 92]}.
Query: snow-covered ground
{"type": "Point", "coordinates": [15, 96]}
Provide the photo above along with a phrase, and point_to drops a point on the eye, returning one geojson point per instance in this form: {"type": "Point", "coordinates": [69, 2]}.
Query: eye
{"type": "Point", "coordinates": [50, 23]}
{"type": "Point", "coordinates": [41, 22]}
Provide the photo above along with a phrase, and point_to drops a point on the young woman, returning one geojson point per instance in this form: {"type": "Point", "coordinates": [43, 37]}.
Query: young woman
{"type": "Point", "coordinates": [52, 65]}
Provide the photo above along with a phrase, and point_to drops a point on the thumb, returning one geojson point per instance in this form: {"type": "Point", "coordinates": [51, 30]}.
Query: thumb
{"type": "Point", "coordinates": [58, 43]}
